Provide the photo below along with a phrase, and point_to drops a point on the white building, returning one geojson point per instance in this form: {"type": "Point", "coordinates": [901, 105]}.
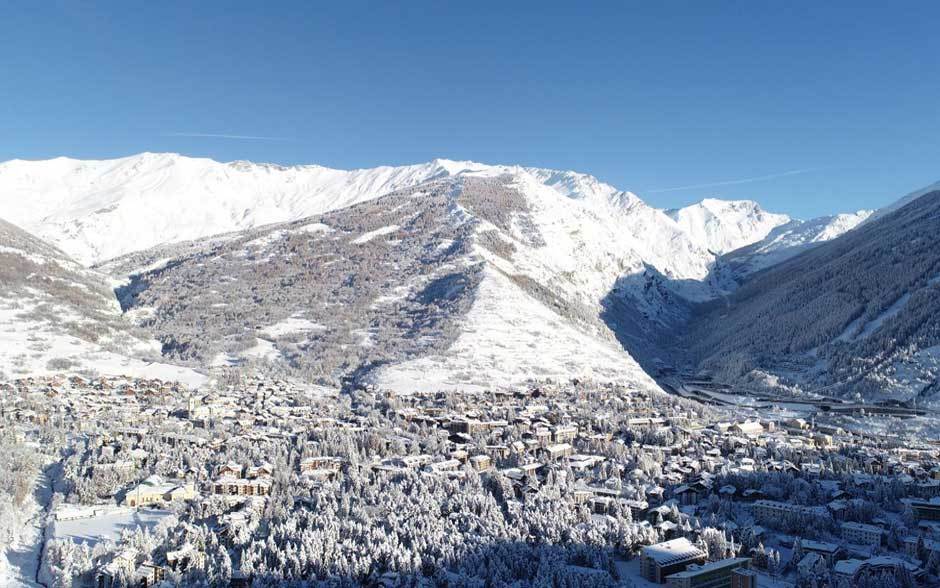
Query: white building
{"type": "Point", "coordinates": [771, 509]}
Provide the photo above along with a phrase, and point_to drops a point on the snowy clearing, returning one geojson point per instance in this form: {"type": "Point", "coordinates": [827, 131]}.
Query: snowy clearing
{"type": "Point", "coordinates": [366, 237]}
{"type": "Point", "coordinates": [290, 325]}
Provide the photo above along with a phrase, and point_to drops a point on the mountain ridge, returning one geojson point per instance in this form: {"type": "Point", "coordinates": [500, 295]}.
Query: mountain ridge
{"type": "Point", "coordinates": [97, 210]}
{"type": "Point", "coordinates": [443, 274]}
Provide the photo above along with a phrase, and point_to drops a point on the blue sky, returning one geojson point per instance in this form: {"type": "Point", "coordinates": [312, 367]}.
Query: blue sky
{"type": "Point", "coordinates": [824, 106]}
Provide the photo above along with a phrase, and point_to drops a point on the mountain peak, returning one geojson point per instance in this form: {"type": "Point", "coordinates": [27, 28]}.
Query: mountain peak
{"type": "Point", "coordinates": [725, 225]}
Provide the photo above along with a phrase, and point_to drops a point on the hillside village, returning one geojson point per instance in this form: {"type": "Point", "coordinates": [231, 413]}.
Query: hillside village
{"type": "Point", "coordinates": [258, 481]}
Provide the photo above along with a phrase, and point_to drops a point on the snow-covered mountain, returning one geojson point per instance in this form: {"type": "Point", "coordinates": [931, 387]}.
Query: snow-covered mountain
{"type": "Point", "coordinates": [443, 274]}
{"type": "Point", "coordinates": [725, 225]}
{"type": "Point", "coordinates": [789, 239]}
{"type": "Point", "coordinates": [56, 316]}
{"type": "Point", "coordinates": [464, 282]}
{"type": "Point", "coordinates": [856, 314]}
{"type": "Point", "coordinates": [98, 210]}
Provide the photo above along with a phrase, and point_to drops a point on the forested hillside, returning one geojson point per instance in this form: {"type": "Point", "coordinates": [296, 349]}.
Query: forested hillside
{"type": "Point", "coordinates": [860, 311]}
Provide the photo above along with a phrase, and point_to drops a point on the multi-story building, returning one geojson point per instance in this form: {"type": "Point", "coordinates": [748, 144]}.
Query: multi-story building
{"type": "Point", "coordinates": [828, 551]}
{"type": "Point", "coordinates": [716, 574]}
{"type": "Point", "coordinates": [743, 578]}
{"type": "Point", "coordinates": [771, 509]}
{"type": "Point", "coordinates": [663, 559]}
{"type": "Point", "coordinates": [155, 492]}
{"type": "Point", "coordinates": [861, 534]}
{"type": "Point", "coordinates": [927, 510]}
{"type": "Point", "coordinates": [228, 486]}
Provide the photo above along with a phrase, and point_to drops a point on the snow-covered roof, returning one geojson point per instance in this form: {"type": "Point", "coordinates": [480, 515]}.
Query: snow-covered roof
{"type": "Point", "coordinates": [695, 570]}
{"type": "Point", "coordinates": [673, 551]}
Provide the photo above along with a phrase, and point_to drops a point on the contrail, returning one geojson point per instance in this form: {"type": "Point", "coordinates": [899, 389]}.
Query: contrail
{"type": "Point", "coordinates": [227, 136]}
{"type": "Point", "coordinates": [792, 172]}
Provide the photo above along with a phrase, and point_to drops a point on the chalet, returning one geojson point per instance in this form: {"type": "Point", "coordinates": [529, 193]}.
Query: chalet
{"type": "Point", "coordinates": [583, 462]}
{"type": "Point", "coordinates": [320, 466]}
{"type": "Point", "coordinates": [264, 470]}
{"type": "Point", "coordinates": [811, 564]}
{"type": "Point", "coordinates": [565, 434]}
{"type": "Point", "coordinates": [231, 486]}
{"type": "Point", "coordinates": [147, 574]}
{"type": "Point", "coordinates": [121, 565]}
{"type": "Point", "coordinates": [688, 494]}
{"type": "Point", "coordinates": [480, 462]}
{"type": "Point", "coordinates": [233, 469]}
{"type": "Point", "coordinates": [447, 465]}
{"type": "Point", "coordinates": [465, 425]}
{"type": "Point", "coordinates": [828, 551]}
{"type": "Point", "coordinates": [185, 557]}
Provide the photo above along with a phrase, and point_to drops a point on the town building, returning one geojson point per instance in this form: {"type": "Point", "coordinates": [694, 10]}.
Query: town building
{"type": "Point", "coordinates": [716, 574]}
{"type": "Point", "coordinates": [743, 578]}
{"type": "Point", "coordinates": [926, 510]}
{"type": "Point", "coordinates": [664, 559]}
{"type": "Point", "coordinates": [861, 534]}
{"type": "Point", "coordinates": [771, 509]}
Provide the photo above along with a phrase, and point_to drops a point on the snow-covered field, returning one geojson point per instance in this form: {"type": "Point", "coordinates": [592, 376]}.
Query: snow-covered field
{"type": "Point", "coordinates": [366, 237]}
{"type": "Point", "coordinates": [289, 326]}
{"type": "Point", "coordinates": [105, 523]}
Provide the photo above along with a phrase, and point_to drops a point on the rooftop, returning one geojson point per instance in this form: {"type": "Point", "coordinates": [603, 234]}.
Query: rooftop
{"type": "Point", "coordinates": [672, 551]}
{"type": "Point", "coordinates": [694, 570]}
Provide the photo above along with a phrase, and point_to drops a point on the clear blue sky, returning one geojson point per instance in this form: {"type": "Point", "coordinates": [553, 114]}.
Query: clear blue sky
{"type": "Point", "coordinates": [648, 96]}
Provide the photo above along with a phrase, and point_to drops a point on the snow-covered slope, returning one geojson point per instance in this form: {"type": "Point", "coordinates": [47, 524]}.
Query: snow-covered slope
{"type": "Point", "coordinates": [469, 281]}
{"type": "Point", "coordinates": [904, 201]}
{"type": "Point", "coordinates": [56, 316]}
{"type": "Point", "coordinates": [790, 239]}
{"type": "Point", "coordinates": [724, 225]}
{"type": "Point", "coordinates": [98, 210]}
